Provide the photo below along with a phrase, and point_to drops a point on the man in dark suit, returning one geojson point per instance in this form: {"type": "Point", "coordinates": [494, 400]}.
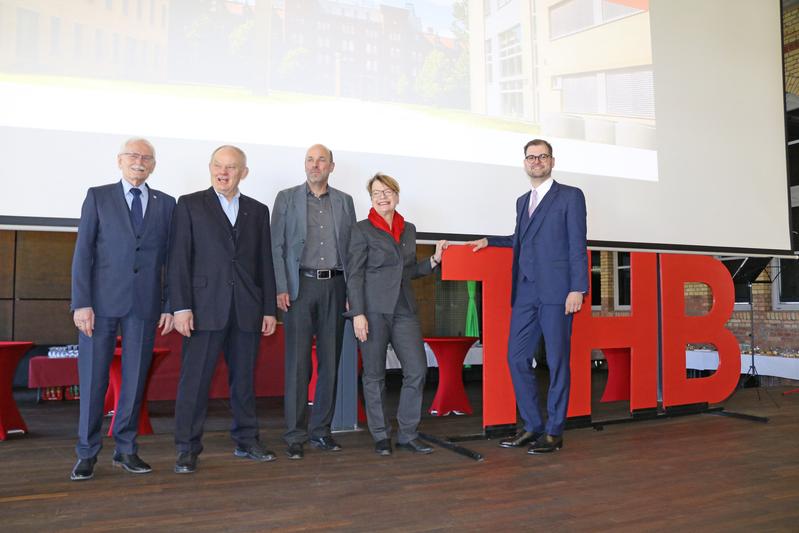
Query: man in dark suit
{"type": "Point", "coordinates": [310, 236]}
{"type": "Point", "coordinates": [223, 297]}
{"type": "Point", "coordinates": [116, 284]}
{"type": "Point", "coordinates": [550, 276]}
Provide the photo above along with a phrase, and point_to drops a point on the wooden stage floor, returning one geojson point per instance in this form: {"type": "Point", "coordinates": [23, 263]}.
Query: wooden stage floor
{"type": "Point", "coordinates": [692, 473]}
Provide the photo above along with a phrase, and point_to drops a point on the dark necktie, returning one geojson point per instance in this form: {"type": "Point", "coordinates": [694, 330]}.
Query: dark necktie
{"type": "Point", "coordinates": [136, 214]}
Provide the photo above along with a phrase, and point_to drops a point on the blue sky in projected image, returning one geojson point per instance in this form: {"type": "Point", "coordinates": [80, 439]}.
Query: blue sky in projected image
{"type": "Point", "coordinates": [435, 14]}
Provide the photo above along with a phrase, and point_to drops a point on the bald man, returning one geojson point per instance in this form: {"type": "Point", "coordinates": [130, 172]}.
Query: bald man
{"type": "Point", "coordinates": [220, 262]}
{"type": "Point", "coordinates": [310, 235]}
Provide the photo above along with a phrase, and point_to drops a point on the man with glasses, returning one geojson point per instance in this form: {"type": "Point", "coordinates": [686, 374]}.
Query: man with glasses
{"type": "Point", "coordinates": [116, 284]}
{"type": "Point", "coordinates": [311, 226]}
{"type": "Point", "coordinates": [222, 291]}
{"type": "Point", "coordinates": [550, 276]}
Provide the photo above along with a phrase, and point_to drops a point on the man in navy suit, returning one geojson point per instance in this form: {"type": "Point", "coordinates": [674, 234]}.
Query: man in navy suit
{"type": "Point", "coordinates": [222, 290]}
{"type": "Point", "coordinates": [550, 276]}
{"type": "Point", "coordinates": [116, 284]}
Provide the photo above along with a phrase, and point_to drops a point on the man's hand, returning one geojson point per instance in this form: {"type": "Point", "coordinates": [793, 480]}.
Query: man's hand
{"type": "Point", "coordinates": [283, 301]}
{"type": "Point", "coordinates": [361, 327]}
{"type": "Point", "coordinates": [477, 245]}
{"type": "Point", "coordinates": [574, 301]}
{"type": "Point", "coordinates": [269, 325]}
{"type": "Point", "coordinates": [167, 323]}
{"type": "Point", "coordinates": [84, 320]}
{"type": "Point", "coordinates": [184, 323]}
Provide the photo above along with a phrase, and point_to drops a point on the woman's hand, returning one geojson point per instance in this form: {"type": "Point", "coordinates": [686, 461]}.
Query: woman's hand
{"type": "Point", "coordinates": [440, 247]}
{"type": "Point", "coordinates": [361, 326]}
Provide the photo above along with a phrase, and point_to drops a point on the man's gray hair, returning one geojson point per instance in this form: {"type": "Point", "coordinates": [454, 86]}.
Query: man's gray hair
{"type": "Point", "coordinates": [123, 148]}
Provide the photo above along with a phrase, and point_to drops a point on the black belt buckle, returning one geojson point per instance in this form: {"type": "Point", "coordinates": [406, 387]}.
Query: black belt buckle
{"type": "Point", "coordinates": [324, 274]}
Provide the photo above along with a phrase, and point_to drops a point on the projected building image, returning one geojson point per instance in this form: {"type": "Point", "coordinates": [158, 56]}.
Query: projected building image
{"type": "Point", "coordinates": [582, 69]}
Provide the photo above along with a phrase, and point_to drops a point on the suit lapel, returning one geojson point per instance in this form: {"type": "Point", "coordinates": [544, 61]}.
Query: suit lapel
{"type": "Point", "coordinates": [122, 207]}
{"type": "Point", "coordinates": [218, 218]}
{"type": "Point", "coordinates": [244, 213]}
{"type": "Point", "coordinates": [301, 211]}
{"type": "Point", "coordinates": [152, 210]}
{"type": "Point", "coordinates": [336, 207]}
{"type": "Point", "coordinates": [541, 211]}
{"type": "Point", "coordinates": [387, 238]}
{"type": "Point", "coordinates": [524, 207]}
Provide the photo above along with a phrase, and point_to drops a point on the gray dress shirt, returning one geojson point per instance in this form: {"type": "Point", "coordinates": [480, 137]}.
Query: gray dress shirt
{"type": "Point", "coordinates": [319, 252]}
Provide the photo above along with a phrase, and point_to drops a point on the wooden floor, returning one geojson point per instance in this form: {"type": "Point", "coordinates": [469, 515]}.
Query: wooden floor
{"type": "Point", "coordinates": [692, 473]}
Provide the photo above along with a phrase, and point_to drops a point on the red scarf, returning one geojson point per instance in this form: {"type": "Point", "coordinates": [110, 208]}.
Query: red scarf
{"type": "Point", "coordinates": [398, 224]}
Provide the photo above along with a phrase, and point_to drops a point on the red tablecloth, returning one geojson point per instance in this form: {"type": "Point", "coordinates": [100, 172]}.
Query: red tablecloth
{"type": "Point", "coordinates": [10, 355]}
{"type": "Point", "coordinates": [163, 384]}
{"type": "Point", "coordinates": [115, 383]}
{"type": "Point", "coordinates": [618, 386]}
{"type": "Point", "coordinates": [450, 395]}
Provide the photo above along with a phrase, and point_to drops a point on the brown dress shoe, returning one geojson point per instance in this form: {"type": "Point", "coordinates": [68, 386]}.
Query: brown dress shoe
{"type": "Point", "coordinates": [521, 438]}
{"type": "Point", "coordinates": [546, 444]}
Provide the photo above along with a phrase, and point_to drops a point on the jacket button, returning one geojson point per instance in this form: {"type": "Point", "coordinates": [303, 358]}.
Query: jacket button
{"type": "Point", "coordinates": [135, 270]}
{"type": "Point", "coordinates": [138, 248]}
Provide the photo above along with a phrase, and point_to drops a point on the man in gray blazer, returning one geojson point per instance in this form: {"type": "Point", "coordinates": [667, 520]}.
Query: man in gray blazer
{"type": "Point", "coordinates": [310, 235]}
{"type": "Point", "coordinates": [116, 283]}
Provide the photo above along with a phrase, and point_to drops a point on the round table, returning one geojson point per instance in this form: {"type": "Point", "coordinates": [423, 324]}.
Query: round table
{"type": "Point", "coordinates": [10, 355]}
{"type": "Point", "coordinates": [450, 395]}
{"type": "Point", "coordinates": [115, 383]}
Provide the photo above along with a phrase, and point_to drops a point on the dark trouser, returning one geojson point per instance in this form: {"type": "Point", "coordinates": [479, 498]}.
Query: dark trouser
{"type": "Point", "coordinates": [94, 361]}
{"type": "Point", "coordinates": [200, 354]}
{"type": "Point", "coordinates": [403, 331]}
{"type": "Point", "coordinates": [530, 319]}
{"type": "Point", "coordinates": [317, 311]}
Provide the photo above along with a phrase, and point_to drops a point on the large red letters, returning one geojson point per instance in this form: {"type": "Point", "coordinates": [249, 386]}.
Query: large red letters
{"type": "Point", "coordinates": [637, 332]}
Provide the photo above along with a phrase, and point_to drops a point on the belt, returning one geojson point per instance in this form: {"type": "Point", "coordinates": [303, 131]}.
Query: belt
{"type": "Point", "coordinates": [320, 274]}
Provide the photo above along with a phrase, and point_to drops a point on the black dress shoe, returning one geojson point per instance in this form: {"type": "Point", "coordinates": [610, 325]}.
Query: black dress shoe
{"type": "Point", "coordinates": [83, 469]}
{"type": "Point", "coordinates": [521, 438]}
{"type": "Point", "coordinates": [325, 443]}
{"type": "Point", "coordinates": [383, 447]}
{"type": "Point", "coordinates": [186, 463]}
{"type": "Point", "coordinates": [131, 463]}
{"type": "Point", "coordinates": [546, 444]}
{"type": "Point", "coordinates": [295, 451]}
{"type": "Point", "coordinates": [256, 452]}
{"type": "Point", "coordinates": [415, 446]}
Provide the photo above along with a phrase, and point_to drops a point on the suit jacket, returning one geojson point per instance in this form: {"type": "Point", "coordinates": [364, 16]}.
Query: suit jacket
{"type": "Point", "coordinates": [550, 248]}
{"type": "Point", "coordinates": [214, 265]}
{"type": "Point", "coordinates": [290, 228]}
{"type": "Point", "coordinates": [114, 271]}
{"type": "Point", "coordinates": [379, 267]}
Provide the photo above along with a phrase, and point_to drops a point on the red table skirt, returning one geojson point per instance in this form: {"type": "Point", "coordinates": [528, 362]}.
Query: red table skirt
{"type": "Point", "coordinates": [48, 372]}
{"type": "Point", "coordinates": [10, 418]}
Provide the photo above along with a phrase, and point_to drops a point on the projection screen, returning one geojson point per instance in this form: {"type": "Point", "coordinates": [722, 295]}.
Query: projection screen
{"type": "Point", "coordinates": [669, 114]}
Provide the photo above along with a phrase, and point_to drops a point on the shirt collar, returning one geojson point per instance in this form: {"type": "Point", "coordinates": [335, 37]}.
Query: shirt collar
{"type": "Point", "coordinates": [222, 197]}
{"type": "Point", "coordinates": [544, 187]}
{"type": "Point", "coordinates": [309, 192]}
{"type": "Point", "coordinates": [126, 187]}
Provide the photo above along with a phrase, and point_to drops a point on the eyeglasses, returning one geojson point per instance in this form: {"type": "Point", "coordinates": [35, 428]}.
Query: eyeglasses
{"type": "Point", "coordinates": [385, 193]}
{"type": "Point", "coordinates": [134, 156]}
{"type": "Point", "coordinates": [543, 158]}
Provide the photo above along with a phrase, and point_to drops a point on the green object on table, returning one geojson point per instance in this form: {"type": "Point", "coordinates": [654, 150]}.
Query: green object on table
{"type": "Point", "coordinates": [472, 323]}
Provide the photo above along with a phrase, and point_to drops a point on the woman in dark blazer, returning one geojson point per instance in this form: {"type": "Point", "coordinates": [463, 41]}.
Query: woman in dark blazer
{"type": "Point", "coordinates": [381, 264]}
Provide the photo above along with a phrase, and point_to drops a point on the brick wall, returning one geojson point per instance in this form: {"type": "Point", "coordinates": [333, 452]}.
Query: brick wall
{"type": "Point", "coordinates": [790, 28]}
{"type": "Point", "coordinates": [775, 331]}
